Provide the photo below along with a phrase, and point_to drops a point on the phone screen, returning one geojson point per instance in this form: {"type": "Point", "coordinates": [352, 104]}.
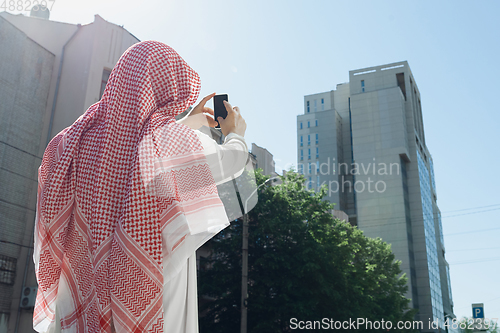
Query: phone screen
{"type": "Point", "coordinates": [219, 107]}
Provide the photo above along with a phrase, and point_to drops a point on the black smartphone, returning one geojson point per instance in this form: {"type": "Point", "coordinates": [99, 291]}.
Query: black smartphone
{"type": "Point", "coordinates": [219, 107]}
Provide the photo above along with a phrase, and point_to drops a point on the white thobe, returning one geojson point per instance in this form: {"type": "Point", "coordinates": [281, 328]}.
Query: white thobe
{"type": "Point", "coordinates": [180, 295]}
{"type": "Point", "coordinates": [180, 299]}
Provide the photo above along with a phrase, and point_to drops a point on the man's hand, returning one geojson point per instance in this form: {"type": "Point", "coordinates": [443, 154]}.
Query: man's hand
{"type": "Point", "coordinates": [200, 115]}
{"type": "Point", "coordinates": [234, 122]}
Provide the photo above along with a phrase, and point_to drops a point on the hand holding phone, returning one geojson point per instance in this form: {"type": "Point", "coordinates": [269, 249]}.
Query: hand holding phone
{"type": "Point", "coordinates": [234, 122]}
{"type": "Point", "coordinates": [200, 115]}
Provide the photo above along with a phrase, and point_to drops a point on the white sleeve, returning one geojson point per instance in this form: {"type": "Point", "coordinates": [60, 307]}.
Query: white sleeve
{"type": "Point", "coordinates": [226, 161]}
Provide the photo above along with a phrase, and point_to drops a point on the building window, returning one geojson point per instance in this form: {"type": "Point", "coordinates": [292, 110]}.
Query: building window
{"type": "Point", "coordinates": [308, 139]}
{"type": "Point", "coordinates": [449, 283]}
{"type": "Point", "coordinates": [301, 155]}
{"type": "Point", "coordinates": [317, 138]}
{"type": "Point", "coordinates": [7, 269]}
{"type": "Point", "coordinates": [309, 153]}
{"type": "Point", "coordinates": [362, 85]}
{"type": "Point", "coordinates": [309, 168]}
{"type": "Point", "coordinates": [315, 106]}
{"type": "Point", "coordinates": [309, 183]}
{"type": "Point", "coordinates": [322, 104]}
{"type": "Point", "coordinates": [301, 125]}
{"type": "Point", "coordinates": [104, 80]}
{"type": "Point", "coordinates": [400, 77]}
{"type": "Point", "coordinates": [308, 107]}
{"type": "Point", "coordinates": [430, 238]}
{"type": "Point", "coordinates": [317, 152]}
{"type": "Point", "coordinates": [317, 167]}
{"type": "Point", "coordinates": [316, 122]}
{"type": "Point", "coordinates": [308, 124]}
{"type": "Point", "coordinates": [301, 141]}
{"type": "Point", "coordinates": [301, 168]}
{"type": "Point", "coordinates": [317, 182]}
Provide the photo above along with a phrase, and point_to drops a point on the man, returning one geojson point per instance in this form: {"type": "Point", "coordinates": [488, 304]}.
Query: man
{"type": "Point", "coordinates": [125, 197]}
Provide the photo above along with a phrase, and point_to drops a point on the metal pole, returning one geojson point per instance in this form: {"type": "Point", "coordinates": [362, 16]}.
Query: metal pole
{"type": "Point", "coordinates": [244, 275]}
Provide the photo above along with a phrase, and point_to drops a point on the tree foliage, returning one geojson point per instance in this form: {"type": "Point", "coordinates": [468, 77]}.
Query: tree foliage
{"type": "Point", "coordinates": [303, 264]}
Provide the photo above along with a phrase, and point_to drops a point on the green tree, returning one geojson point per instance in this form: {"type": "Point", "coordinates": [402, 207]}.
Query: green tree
{"type": "Point", "coordinates": [303, 264]}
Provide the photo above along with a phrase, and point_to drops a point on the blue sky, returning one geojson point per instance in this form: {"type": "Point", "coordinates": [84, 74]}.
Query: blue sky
{"type": "Point", "coordinates": [266, 55]}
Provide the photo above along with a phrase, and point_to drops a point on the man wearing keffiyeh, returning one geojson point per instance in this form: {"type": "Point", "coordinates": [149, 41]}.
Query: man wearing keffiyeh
{"type": "Point", "coordinates": [125, 197]}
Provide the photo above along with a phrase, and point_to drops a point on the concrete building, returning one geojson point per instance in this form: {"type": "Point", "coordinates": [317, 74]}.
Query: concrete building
{"type": "Point", "coordinates": [264, 160]}
{"type": "Point", "coordinates": [50, 73]}
{"type": "Point", "coordinates": [365, 141]}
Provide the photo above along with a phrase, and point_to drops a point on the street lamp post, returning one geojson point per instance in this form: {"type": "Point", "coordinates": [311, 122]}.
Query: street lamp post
{"type": "Point", "coordinates": [244, 261]}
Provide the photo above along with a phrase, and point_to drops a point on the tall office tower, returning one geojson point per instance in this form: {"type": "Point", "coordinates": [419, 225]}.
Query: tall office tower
{"type": "Point", "coordinates": [365, 141]}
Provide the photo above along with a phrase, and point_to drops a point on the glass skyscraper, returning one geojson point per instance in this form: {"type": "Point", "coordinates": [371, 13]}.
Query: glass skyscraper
{"type": "Point", "coordinates": [368, 144]}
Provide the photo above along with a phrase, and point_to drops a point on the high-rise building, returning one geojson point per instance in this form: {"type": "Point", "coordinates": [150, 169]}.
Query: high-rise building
{"type": "Point", "coordinates": [365, 141]}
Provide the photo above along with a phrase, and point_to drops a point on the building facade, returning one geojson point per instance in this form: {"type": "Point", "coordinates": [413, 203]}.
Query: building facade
{"type": "Point", "coordinates": [50, 73]}
{"type": "Point", "coordinates": [365, 141]}
{"type": "Point", "coordinates": [264, 160]}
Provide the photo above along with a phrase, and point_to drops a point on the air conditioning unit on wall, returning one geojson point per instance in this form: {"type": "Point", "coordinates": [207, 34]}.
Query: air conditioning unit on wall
{"type": "Point", "coordinates": [28, 297]}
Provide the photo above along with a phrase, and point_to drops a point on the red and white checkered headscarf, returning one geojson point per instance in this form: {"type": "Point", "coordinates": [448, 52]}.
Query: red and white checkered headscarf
{"type": "Point", "coordinates": [109, 186]}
